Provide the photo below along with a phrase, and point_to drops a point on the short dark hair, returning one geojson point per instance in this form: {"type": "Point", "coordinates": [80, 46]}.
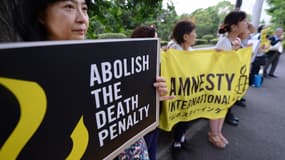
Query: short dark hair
{"type": "Point", "coordinates": [234, 17]}
{"type": "Point", "coordinates": [260, 28]}
{"type": "Point", "coordinates": [28, 25]}
{"type": "Point", "coordinates": [182, 27]}
{"type": "Point", "coordinates": [143, 32]}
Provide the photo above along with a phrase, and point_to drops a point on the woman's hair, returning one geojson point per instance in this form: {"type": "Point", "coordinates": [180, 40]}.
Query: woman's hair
{"type": "Point", "coordinates": [143, 32]}
{"type": "Point", "coordinates": [251, 28]}
{"type": "Point", "coordinates": [182, 27]}
{"type": "Point", "coordinates": [260, 28]}
{"type": "Point", "coordinates": [29, 13]}
{"type": "Point", "coordinates": [232, 18]}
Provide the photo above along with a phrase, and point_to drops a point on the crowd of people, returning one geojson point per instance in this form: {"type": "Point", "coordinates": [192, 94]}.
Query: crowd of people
{"type": "Point", "coordinates": [235, 33]}
{"type": "Point", "coordinates": [68, 20]}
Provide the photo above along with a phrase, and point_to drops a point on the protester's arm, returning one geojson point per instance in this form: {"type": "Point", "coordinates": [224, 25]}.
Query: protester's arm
{"type": "Point", "coordinates": [275, 47]}
{"type": "Point", "coordinates": [162, 89]}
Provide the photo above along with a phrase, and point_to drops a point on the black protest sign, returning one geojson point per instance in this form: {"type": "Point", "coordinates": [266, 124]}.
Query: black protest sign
{"type": "Point", "coordinates": [76, 100]}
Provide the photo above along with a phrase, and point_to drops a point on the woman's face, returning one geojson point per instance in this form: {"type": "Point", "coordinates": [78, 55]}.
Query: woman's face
{"type": "Point", "coordinates": [66, 20]}
{"type": "Point", "coordinates": [242, 26]}
{"type": "Point", "coordinates": [244, 34]}
{"type": "Point", "coordinates": [279, 33]}
{"type": "Point", "coordinates": [190, 38]}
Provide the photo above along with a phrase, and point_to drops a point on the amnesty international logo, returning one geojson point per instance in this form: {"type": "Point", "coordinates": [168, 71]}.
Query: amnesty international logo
{"type": "Point", "coordinates": [242, 81]}
{"type": "Point", "coordinates": [33, 106]}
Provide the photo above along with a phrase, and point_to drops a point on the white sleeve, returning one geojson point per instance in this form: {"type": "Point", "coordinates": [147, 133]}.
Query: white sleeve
{"type": "Point", "coordinates": [224, 44]}
{"type": "Point", "coordinates": [276, 47]}
{"type": "Point", "coordinates": [255, 45]}
{"type": "Point", "coordinates": [255, 48]}
{"type": "Point", "coordinates": [280, 49]}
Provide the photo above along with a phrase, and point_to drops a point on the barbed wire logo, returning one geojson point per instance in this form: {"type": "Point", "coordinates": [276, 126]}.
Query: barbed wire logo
{"type": "Point", "coordinates": [243, 81]}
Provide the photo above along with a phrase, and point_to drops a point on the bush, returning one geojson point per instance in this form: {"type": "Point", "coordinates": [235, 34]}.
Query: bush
{"type": "Point", "coordinates": [208, 37]}
{"type": "Point", "coordinates": [111, 35]}
{"type": "Point", "coordinates": [214, 41]}
{"type": "Point", "coordinates": [163, 43]}
{"type": "Point", "coordinates": [201, 41]}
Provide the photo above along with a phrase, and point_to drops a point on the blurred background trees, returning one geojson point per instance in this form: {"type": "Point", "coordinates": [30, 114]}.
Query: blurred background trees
{"type": "Point", "coordinates": [118, 18]}
{"type": "Point", "coordinates": [122, 16]}
{"type": "Point", "coordinates": [277, 12]}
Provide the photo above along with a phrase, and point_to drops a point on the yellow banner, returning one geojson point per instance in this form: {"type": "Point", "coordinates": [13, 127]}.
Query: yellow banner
{"type": "Point", "coordinates": [205, 82]}
{"type": "Point", "coordinates": [263, 37]}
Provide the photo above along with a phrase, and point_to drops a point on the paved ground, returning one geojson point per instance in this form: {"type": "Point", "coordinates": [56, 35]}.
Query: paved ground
{"type": "Point", "coordinates": [259, 136]}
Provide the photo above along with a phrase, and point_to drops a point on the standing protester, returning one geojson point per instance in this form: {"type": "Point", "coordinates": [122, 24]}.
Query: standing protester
{"type": "Point", "coordinates": [150, 138]}
{"type": "Point", "coordinates": [48, 20]}
{"type": "Point", "coordinates": [184, 36]}
{"type": "Point", "coordinates": [53, 20]}
{"type": "Point", "coordinates": [234, 24]}
{"type": "Point", "coordinates": [258, 59]}
{"type": "Point", "coordinates": [246, 40]}
{"type": "Point", "coordinates": [246, 37]}
{"type": "Point", "coordinates": [274, 52]}
{"type": "Point", "coordinates": [144, 148]}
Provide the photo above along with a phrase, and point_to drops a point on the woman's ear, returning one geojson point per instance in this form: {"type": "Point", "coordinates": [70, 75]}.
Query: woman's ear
{"type": "Point", "coordinates": [234, 28]}
{"type": "Point", "coordinates": [185, 37]}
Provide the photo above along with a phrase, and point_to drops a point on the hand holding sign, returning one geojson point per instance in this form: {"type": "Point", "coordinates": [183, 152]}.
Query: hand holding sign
{"type": "Point", "coordinates": [162, 90]}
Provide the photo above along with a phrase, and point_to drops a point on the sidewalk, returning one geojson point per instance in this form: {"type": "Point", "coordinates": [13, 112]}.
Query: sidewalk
{"type": "Point", "coordinates": [165, 138]}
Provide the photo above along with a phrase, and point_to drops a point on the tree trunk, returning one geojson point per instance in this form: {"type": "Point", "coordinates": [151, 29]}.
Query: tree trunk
{"type": "Point", "coordinates": [8, 15]}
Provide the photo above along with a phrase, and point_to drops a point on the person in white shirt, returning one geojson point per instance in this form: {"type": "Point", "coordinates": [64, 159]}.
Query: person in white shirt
{"type": "Point", "coordinates": [183, 37]}
{"type": "Point", "coordinates": [234, 24]}
{"type": "Point", "coordinates": [258, 59]}
{"type": "Point", "coordinates": [274, 52]}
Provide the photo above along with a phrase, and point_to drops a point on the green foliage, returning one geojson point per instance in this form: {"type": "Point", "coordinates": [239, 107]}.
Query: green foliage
{"type": "Point", "coordinates": [111, 36]}
{"type": "Point", "coordinates": [163, 43]}
{"type": "Point", "coordinates": [201, 41]}
{"type": "Point", "coordinates": [214, 41]}
{"type": "Point", "coordinates": [208, 37]}
{"type": "Point", "coordinates": [121, 16]}
{"type": "Point", "coordinates": [277, 12]}
{"type": "Point", "coordinates": [166, 21]}
{"type": "Point", "coordinates": [95, 28]}
{"type": "Point", "coordinates": [207, 20]}
{"type": "Point", "coordinates": [223, 8]}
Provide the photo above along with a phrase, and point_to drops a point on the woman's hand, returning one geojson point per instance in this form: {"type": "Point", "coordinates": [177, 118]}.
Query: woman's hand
{"type": "Point", "coordinates": [249, 45]}
{"type": "Point", "coordinates": [162, 90]}
{"type": "Point", "coordinates": [219, 50]}
{"type": "Point", "coordinates": [236, 44]}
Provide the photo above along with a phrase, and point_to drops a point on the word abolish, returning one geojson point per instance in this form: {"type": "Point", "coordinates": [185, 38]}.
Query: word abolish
{"type": "Point", "coordinates": [106, 71]}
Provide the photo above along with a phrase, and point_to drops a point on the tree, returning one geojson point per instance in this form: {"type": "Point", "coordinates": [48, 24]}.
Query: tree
{"type": "Point", "coordinates": [123, 15]}
{"type": "Point", "coordinates": [166, 21]}
{"type": "Point", "coordinates": [120, 16]}
{"type": "Point", "coordinates": [277, 12]}
{"type": "Point", "coordinates": [207, 20]}
{"type": "Point", "coordinates": [8, 31]}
